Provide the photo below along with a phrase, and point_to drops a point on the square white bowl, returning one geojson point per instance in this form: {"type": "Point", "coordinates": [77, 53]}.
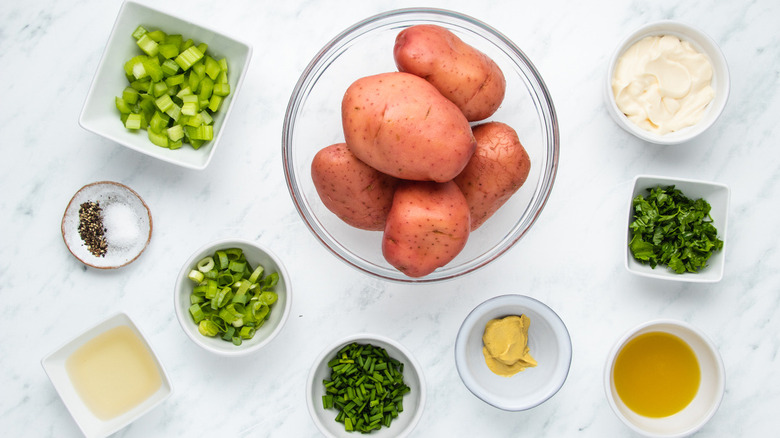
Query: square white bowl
{"type": "Point", "coordinates": [717, 195]}
{"type": "Point", "coordinates": [90, 424]}
{"type": "Point", "coordinates": [99, 113]}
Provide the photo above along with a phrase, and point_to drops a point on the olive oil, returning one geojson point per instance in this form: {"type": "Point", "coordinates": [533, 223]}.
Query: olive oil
{"type": "Point", "coordinates": [656, 374]}
{"type": "Point", "coordinates": [113, 372]}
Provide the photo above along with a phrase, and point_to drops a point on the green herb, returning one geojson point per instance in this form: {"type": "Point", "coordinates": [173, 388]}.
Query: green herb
{"type": "Point", "coordinates": [230, 298]}
{"type": "Point", "coordinates": [670, 229]}
{"type": "Point", "coordinates": [175, 87]}
{"type": "Point", "coordinates": [366, 386]}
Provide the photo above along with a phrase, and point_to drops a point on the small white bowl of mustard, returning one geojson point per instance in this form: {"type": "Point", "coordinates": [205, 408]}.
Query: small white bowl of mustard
{"type": "Point", "coordinates": [649, 99]}
{"type": "Point", "coordinates": [549, 353]}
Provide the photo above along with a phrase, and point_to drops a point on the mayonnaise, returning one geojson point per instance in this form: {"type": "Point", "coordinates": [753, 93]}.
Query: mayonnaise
{"type": "Point", "coordinates": [662, 84]}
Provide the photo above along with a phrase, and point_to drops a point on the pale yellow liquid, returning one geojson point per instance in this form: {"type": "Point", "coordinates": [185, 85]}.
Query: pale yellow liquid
{"type": "Point", "coordinates": [113, 372]}
{"type": "Point", "coordinates": [657, 374]}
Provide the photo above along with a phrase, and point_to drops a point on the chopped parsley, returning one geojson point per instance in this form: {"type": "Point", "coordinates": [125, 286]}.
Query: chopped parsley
{"type": "Point", "coordinates": [670, 229]}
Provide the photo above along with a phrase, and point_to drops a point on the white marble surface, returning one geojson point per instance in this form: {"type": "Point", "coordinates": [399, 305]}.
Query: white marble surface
{"type": "Point", "coordinates": [571, 259]}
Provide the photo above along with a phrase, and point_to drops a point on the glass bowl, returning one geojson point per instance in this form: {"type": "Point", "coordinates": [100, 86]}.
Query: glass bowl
{"type": "Point", "coordinates": [313, 121]}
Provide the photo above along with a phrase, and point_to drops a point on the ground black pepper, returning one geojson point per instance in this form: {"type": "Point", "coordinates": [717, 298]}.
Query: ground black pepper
{"type": "Point", "coordinates": [91, 228]}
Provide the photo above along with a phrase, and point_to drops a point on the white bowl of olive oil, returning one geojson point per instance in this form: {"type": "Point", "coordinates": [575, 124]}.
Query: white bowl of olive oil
{"type": "Point", "coordinates": [664, 378]}
{"type": "Point", "coordinates": [108, 376]}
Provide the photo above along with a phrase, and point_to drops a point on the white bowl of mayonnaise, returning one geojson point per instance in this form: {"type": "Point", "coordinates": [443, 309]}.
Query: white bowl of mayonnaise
{"type": "Point", "coordinates": [667, 83]}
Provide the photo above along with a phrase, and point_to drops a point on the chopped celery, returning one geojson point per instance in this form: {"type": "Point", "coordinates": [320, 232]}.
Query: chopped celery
{"type": "Point", "coordinates": [174, 89]}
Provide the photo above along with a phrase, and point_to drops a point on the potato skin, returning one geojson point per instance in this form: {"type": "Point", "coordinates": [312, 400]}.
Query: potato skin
{"type": "Point", "coordinates": [463, 74]}
{"type": "Point", "coordinates": [428, 225]}
{"type": "Point", "coordinates": [352, 190]}
{"type": "Point", "coordinates": [401, 125]}
{"type": "Point", "coordinates": [498, 168]}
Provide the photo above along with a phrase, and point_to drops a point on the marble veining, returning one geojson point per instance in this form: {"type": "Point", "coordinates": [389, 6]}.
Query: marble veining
{"type": "Point", "coordinates": [572, 258]}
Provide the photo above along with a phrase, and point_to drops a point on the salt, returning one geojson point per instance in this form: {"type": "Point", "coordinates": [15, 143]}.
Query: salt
{"type": "Point", "coordinates": [121, 224]}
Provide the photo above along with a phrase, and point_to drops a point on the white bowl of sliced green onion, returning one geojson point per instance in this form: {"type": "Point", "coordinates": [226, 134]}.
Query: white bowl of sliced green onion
{"type": "Point", "coordinates": [232, 297]}
{"type": "Point", "coordinates": [366, 383]}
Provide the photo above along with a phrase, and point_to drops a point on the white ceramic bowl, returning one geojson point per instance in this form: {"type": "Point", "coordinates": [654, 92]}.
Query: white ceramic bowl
{"type": "Point", "coordinates": [99, 113]}
{"type": "Point", "coordinates": [718, 197]}
{"type": "Point", "coordinates": [704, 404]}
{"type": "Point", "coordinates": [549, 344]}
{"type": "Point", "coordinates": [90, 424]}
{"type": "Point", "coordinates": [280, 310]}
{"type": "Point", "coordinates": [313, 121]}
{"type": "Point", "coordinates": [720, 80]}
{"type": "Point", "coordinates": [413, 402]}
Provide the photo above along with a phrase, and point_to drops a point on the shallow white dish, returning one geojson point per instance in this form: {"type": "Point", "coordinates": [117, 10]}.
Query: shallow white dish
{"type": "Point", "coordinates": [280, 310]}
{"type": "Point", "coordinates": [704, 404]}
{"type": "Point", "coordinates": [91, 425]}
{"type": "Point", "coordinates": [549, 344]}
{"type": "Point", "coordinates": [720, 80]}
{"type": "Point", "coordinates": [718, 197]}
{"type": "Point", "coordinates": [99, 113]}
{"type": "Point", "coordinates": [413, 402]}
{"type": "Point", "coordinates": [133, 216]}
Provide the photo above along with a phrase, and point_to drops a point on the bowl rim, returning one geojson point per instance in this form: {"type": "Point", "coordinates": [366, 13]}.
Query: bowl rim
{"type": "Point", "coordinates": [182, 315]}
{"type": "Point", "coordinates": [469, 324]}
{"type": "Point", "coordinates": [719, 367]}
{"type": "Point", "coordinates": [689, 33]}
{"type": "Point", "coordinates": [366, 337]}
{"type": "Point", "coordinates": [722, 232]}
{"type": "Point", "coordinates": [540, 94]}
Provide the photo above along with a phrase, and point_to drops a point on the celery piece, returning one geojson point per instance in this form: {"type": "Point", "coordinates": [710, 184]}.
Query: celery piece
{"type": "Point", "coordinates": [139, 32]}
{"type": "Point", "coordinates": [158, 122]}
{"type": "Point", "coordinates": [130, 95]}
{"type": "Point", "coordinates": [172, 145]}
{"type": "Point", "coordinates": [169, 68]}
{"type": "Point", "coordinates": [153, 69]}
{"type": "Point", "coordinates": [174, 112]}
{"type": "Point", "coordinates": [172, 81]}
{"type": "Point", "coordinates": [205, 88]}
{"type": "Point", "coordinates": [148, 45]}
{"type": "Point", "coordinates": [164, 102]}
{"type": "Point", "coordinates": [193, 120]}
{"type": "Point", "coordinates": [156, 35]}
{"type": "Point", "coordinates": [130, 64]}
{"type": "Point", "coordinates": [212, 68]}
{"type": "Point", "coordinates": [184, 92]}
{"type": "Point", "coordinates": [133, 121]}
{"type": "Point", "coordinates": [142, 86]}
{"type": "Point", "coordinates": [207, 119]}
{"type": "Point", "coordinates": [202, 132]}
{"type": "Point", "coordinates": [139, 71]}
{"type": "Point", "coordinates": [203, 47]}
{"type": "Point", "coordinates": [222, 78]}
{"type": "Point", "coordinates": [221, 89]}
{"type": "Point", "coordinates": [168, 51]}
{"type": "Point", "coordinates": [157, 138]}
{"type": "Point", "coordinates": [189, 105]}
{"type": "Point", "coordinates": [175, 39]}
{"type": "Point", "coordinates": [122, 106]}
{"type": "Point", "coordinates": [200, 68]}
{"type": "Point", "coordinates": [214, 103]}
{"type": "Point", "coordinates": [196, 144]}
{"type": "Point", "coordinates": [188, 57]}
{"type": "Point", "coordinates": [175, 133]}
{"type": "Point", "coordinates": [193, 80]}
{"type": "Point", "coordinates": [223, 65]}
{"type": "Point", "coordinates": [186, 45]}
{"type": "Point", "coordinates": [159, 88]}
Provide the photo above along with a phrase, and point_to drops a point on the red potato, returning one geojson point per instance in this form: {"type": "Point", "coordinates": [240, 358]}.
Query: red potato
{"type": "Point", "coordinates": [354, 191]}
{"type": "Point", "coordinates": [401, 125]}
{"type": "Point", "coordinates": [498, 168]}
{"type": "Point", "coordinates": [463, 74]}
{"type": "Point", "coordinates": [428, 225]}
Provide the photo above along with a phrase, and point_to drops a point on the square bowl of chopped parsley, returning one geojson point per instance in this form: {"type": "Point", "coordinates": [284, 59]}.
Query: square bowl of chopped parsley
{"type": "Point", "coordinates": [677, 229]}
